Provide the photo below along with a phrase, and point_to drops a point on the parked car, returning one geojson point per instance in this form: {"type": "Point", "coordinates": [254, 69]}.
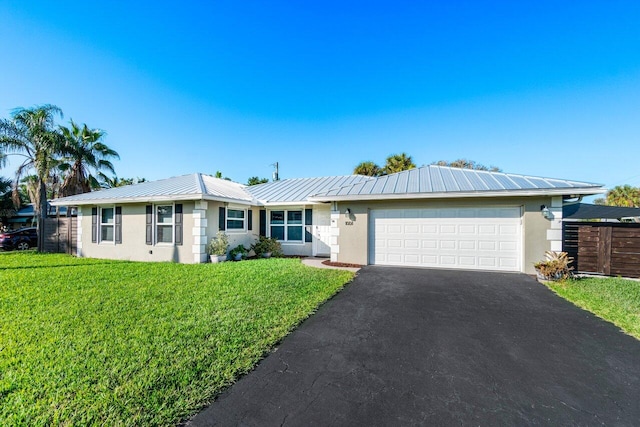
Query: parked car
{"type": "Point", "coordinates": [21, 239]}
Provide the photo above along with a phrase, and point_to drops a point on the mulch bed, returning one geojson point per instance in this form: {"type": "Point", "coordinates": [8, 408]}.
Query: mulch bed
{"type": "Point", "coordinates": [341, 264]}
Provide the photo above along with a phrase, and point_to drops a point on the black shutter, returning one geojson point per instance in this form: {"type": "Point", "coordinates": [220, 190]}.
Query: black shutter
{"type": "Point", "coordinates": [149, 233]}
{"type": "Point", "coordinates": [94, 225]}
{"type": "Point", "coordinates": [249, 219]}
{"type": "Point", "coordinates": [221, 219]}
{"type": "Point", "coordinates": [178, 224]}
{"type": "Point", "coordinates": [308, 221]}
{"type": "Point", "coordinates": [118, 226]}
{"type": "Point", "coordinates": [263, 223]}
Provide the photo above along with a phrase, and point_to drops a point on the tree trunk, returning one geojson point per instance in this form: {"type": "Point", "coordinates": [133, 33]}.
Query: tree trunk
{"type": "Point", "coordinates": [42, 214]}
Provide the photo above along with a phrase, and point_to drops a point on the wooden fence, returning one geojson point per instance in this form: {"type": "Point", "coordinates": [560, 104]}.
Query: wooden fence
{"type": "Point", "coordinates": [61, 235]}
{"type": "Point", "coordinates": [608, 248]}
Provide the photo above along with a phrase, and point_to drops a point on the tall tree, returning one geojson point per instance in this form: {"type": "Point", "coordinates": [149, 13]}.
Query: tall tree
{"type": "Point", "coordinates": [367, 168]}
{"type": "Point", "coordinates": [6, 204]}
{"type": "Point", "coordinates": [219, 175]}
{"type": "Point", "coordinates": [623, 195]}
{"type": "Point", "coordinates": [112, 182]}
{"type": "Point", "coordinates": [398, 163]}
{"type": "Point", "coordinates": [467, 164]}
{"type": "Point", "coordinates": [31, 133]}
{"type": "Point", "coordinates": [254, 180]}
{"type": "Point", "coordinates": [85, 157]}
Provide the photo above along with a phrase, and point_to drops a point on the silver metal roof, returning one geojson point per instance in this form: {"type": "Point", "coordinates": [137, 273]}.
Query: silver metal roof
{"type": "Point", "coordinates": [435, 181]}
{"type": "Point", "coordinates": [195, 186]}
{"type": "Point", "coordinates": [424, 182]}
{"type": "Point", "coordinates": [298, 190]}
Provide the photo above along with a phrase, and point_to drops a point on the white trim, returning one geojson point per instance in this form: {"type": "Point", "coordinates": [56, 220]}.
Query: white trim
{"type": "Point", "coordinates": [245, 220]}
{"type": "Point", "coordinates": [153, 200]}
{"type": "Point", "coordinates": [462, 194]}
{"type": "Point", "coordinates": [285, 224]}
{"type": "Point", "coordinates": [112, 225]}
{"type": "Point", "coordinates": [173, 224]}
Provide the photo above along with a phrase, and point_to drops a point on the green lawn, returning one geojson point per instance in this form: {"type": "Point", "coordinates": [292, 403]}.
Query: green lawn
{"type": "Point", "coordinates": [86, 341]}
{"type": "Point", "coordinates": [613, 299]}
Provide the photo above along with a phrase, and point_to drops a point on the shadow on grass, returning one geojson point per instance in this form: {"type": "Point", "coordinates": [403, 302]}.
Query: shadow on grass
{"type": "Point", "coordinates": [25, 267]}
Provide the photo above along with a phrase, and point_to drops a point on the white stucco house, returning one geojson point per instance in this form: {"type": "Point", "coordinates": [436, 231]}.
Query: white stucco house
{"type": "Point", "coordinates": [432, 216]}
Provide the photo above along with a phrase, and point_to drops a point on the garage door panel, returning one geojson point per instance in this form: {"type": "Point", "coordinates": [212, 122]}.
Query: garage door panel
{"type": "Point", "coordinates": [447, 229]}
{"type": "Point", "coordinates": [447, 244]}
{"type": "Point", "coordinates": [411, 244]}
{"type": "Point", "coordinates": [429, 229]}
{"type": "Point", "coordinates": [487, 229]}
{"type": "Point", "coordinates": [469, 245]}
{"type": "Point", "coordinates": [467, 229]}
{"type": "Point", "coordinates": [429, 244]}
{"type": "Point", "coordinates": [411, 229]}
{"type": "Point", "coordinates": [467, 238]}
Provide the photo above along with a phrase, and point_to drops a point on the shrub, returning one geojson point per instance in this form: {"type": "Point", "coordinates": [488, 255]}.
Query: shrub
{"type": "Point", "coordinates": [240, 249]}
{"type": "Point", "coordinates": [219, 244]}
{"type": "Point", "coordinates": [267, 245]}
{"type": "Point", "coordinates": [555, 267]}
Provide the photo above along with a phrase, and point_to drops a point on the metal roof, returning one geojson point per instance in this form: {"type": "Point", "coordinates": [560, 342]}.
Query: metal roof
{"type": "Point", "coordinates": [195, 186]}
{"type": "Point", "coordinates": [424, 182]}
{"type": "Point", "coordinates": [588, 211]}
{"type": "Point", "coordinates": [443, 181]}
{"type": "Point", "coordinates": [298, 190]}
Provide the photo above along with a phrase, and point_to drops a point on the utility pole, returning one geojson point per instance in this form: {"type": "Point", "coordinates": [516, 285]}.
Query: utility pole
{"type": "Point", "coordinates": [276, 177]}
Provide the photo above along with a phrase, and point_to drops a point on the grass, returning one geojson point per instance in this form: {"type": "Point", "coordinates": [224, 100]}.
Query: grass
{"type": "Point", "coordinates": [86, 341]}
{"type": "Point", "coordinates": [613, 299]}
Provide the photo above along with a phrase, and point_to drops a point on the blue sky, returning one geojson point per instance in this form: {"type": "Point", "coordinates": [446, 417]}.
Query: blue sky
{"type": "Point", "coordinates": [539, 88]}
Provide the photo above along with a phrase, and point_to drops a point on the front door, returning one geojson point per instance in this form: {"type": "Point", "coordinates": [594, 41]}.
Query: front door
{"type": "Point", "coordinates": [321, 231]}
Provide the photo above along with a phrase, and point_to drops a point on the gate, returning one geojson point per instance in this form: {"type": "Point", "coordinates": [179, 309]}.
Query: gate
{"type": "Point", "coordinates": [61, 235]}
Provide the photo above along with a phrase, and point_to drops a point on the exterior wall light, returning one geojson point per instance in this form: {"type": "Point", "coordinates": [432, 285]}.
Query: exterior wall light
{"type": "Point", "coordinates": [546, 213]}
{"type": "Point", "coordinates": [347, 212]}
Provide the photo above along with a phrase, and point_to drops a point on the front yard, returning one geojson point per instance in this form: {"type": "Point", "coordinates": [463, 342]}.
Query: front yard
{"type": "Point", "coordinates": [86, 341]}
{"type": "Point", "coordinates": [613, 299]}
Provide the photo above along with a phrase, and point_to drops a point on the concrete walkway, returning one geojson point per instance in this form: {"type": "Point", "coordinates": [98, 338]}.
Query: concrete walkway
{"type": "Point", "coordinates": [317, 262]}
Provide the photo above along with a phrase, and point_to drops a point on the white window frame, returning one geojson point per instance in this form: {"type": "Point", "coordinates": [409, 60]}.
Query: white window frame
{"type": "Point", "coordinates": [100, 224]}
{"type": "Point", "coordinates": [173, 224]}
{"type": "Point", "coordinates": [286, 211]}
{"type": "Point", "coordinates": [227, 219]}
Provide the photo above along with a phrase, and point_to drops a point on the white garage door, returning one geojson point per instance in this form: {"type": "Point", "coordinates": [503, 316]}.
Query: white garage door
{"type": "Point", "coordinates": [464, 238]}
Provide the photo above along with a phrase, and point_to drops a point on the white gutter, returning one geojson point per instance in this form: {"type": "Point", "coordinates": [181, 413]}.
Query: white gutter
{"type": "Point", "coordinates": [461, 194]}
{"type": "Point", "coordinates": [146, 199]}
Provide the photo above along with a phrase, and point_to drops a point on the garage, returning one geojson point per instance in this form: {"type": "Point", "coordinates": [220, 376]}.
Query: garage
{"type": "Point", "coordinates": [480, 238]}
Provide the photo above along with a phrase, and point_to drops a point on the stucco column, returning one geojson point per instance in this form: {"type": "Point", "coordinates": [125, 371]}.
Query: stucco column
{"type": "Point", "coordinates": [79, 232]}
{"type": "Point", "coordinates": [335, 232]}
{"type": "Point", "coordinates": [199, 232]}
{"type": "Point", "coordinates": [554, 234]}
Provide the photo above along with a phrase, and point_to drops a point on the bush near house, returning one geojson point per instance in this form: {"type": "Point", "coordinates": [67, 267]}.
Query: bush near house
{"type": "Point", "coordinates": [101, 342]}
{"type": "Point", "coordinates": [613, 299]}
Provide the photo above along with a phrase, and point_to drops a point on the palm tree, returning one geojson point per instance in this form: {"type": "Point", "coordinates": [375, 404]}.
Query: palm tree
{"type": "Point", "coordinates": [85, 157]}
{"type": "Point", "coordinates": [31, 133]}
{"type": "Point", "coordinates": [113, 182]}
{"type": "Point", "coordinates": [398, 163]}
{"type": "Point", "coordinates": [368, 169]}
{"type": "Point", "coordinates": [254, 180]}
{"type": "Point", "coordinates": [623, 195]}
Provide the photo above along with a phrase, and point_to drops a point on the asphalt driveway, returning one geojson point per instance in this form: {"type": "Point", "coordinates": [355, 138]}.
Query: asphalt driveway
{"type": "Point", "coordinates": [417, 347]}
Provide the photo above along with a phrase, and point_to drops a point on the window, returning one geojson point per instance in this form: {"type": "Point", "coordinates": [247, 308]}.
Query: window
{"type": "Point", "coordinates": [164, 224]}
{"type": "Point", "coordinates": [236, 219]}
{"type": "Point", "coordinates": [107, 223]}
{"type": "Point", "coordinates": [286, 225]}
